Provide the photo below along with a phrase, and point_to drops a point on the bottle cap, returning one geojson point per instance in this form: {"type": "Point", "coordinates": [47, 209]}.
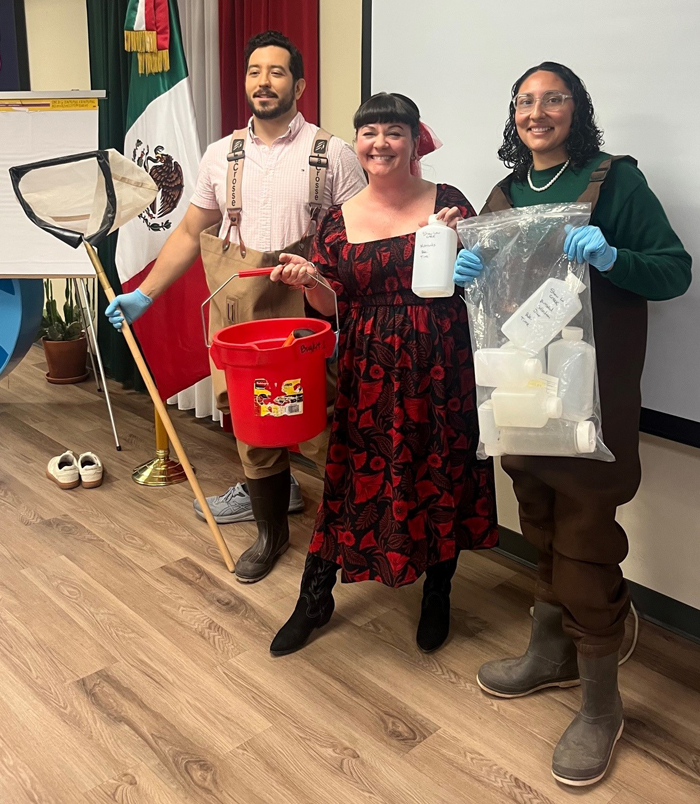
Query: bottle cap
{"type": "Point", "coordinates": [533, 368]}
{"type": "Point", "coordinates": [433, 220]}
{"type": "Point", "coordinates": [585, 437]}
{"type": "Point", "coordinates": [572, 334]}
{"type": "Point", "coordinates": [553, 407]}
{"type": "Point", "coordinates": [574, 283]}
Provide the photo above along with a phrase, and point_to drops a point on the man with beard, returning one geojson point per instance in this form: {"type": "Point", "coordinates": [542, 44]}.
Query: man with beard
{"type": "Point", "coordinates": [259, 192]}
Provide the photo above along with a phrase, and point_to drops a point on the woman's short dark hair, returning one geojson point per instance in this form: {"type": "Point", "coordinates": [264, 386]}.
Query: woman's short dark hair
{"type": "Point", "coordinates": [276, 39]}
{"type": "Point", "coordinates": [388, 107]}
{"type": "Point", "coordinates": [585, 138]}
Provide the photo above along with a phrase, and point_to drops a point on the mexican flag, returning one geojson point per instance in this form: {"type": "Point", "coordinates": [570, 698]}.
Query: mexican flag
{"type": "Point", "coordinates": [161, 137]}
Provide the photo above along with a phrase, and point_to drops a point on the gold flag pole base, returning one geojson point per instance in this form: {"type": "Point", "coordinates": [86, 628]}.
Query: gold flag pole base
{"type": "Point", "coordinates": [160, 471]}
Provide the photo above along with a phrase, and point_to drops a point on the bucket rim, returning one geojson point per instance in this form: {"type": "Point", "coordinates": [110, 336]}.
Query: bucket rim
{"type": "Point", "coordinates": [322, 327]}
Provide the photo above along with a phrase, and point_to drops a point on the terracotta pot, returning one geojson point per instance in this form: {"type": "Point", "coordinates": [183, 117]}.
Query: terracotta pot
{"type": "Point", "coordinates": [66, 360]}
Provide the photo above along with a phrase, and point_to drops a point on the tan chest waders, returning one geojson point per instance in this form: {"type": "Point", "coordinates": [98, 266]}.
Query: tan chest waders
{"type": "Point", "coordinates": [253, 298]}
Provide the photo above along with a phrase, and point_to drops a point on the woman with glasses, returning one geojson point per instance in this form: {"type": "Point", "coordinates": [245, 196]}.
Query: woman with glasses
{"type": "Point", "coordinates": [568, 505]}
{"type": "Point", "coordinates": [403, 492]}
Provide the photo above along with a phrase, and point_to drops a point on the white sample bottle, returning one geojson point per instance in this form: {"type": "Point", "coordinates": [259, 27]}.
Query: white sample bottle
{"type": "Point", "coordinates": [572, 360]}
{"type": "Point", "coordinates": [550, 308]}
{"type": "Point", "coordinates": [507, 366]}
{"type": "Point", "coordinates": [558, 437]}
{"type": "Point", "coordinates": [434, 260]}
{"type": "Point", "coordinates": [524, 407]}
{"type": "Point", "coordinates": [488, 432]}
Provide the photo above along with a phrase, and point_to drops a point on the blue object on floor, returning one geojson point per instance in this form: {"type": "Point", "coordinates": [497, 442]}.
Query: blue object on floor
{"type": "Point", "coordinates": [21, 303]}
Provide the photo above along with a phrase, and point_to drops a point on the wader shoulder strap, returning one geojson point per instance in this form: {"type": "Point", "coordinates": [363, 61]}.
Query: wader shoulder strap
{"type": "Point", "coordinates": [592, 192]}
{"type": "Point", "coordinates": [234, 181]}
{"type": "Point", "coordinates": [500, 197]}
{"type": "Point", "coordinates": [318, 172]}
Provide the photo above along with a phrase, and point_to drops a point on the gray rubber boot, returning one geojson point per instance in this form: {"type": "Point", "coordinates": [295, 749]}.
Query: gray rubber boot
{"type": "Point", "coordinates": [269, 498]}
{"type": "Point", "coordinates": [550, 659]}
{"type": "Point", "coordinates": [583, 754]}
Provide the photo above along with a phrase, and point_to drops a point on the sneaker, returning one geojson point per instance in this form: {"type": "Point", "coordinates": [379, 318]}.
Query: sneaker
{"type": "Point", "coordinates": [91, 470]}
{"type": "Point", "coordinates": [234, 505]}
{"type": "Point", "coordinates": [63, 470]}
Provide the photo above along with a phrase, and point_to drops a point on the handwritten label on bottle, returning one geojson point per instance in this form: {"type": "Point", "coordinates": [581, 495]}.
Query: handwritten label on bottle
{"type": "Point", "coordinates": [547, 307]}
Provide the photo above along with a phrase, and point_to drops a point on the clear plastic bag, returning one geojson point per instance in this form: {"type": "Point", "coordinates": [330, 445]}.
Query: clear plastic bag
{"type": "Point", "coordinates": [531, 329]}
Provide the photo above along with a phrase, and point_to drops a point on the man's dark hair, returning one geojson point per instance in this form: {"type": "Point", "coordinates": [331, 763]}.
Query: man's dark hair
{"type": "Point", "coordinates": [276, 39]}
{"type": "Point", "coordinates": [388, 107]}
{"type": "Point", "coordinates": [585, 138]}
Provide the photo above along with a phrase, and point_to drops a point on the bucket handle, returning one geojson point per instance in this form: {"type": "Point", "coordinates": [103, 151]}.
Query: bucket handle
{"type": "Point", "coordinates": [264, 272]}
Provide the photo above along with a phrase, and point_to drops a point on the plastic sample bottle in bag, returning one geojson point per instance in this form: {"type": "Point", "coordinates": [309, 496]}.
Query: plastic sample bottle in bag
{"type": "Point", "coordinates": [548, 310]}
{"type": "Point", "coordinates": [572, 360]}
{"type": "Point", "coordinates": [524, 407]}
{"type": "Point", "coordinates": [559, 437]}
{"type": "Point", "coordinates": [434, 260]}
{"type": "Point", "coordinates": [506, 366]}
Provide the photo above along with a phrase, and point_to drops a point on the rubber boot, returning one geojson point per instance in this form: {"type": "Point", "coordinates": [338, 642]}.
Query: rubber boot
{"type": "Point", "coordinates": [583, 754]}
{"type": "Point", "coordinates": [550, 659]}
{"type": "Point", "coordinates": [269, 499]}
{"type": "Point", "coordinates": [313, 609]}
{"type": "Point", "coordinates": [434, 623]}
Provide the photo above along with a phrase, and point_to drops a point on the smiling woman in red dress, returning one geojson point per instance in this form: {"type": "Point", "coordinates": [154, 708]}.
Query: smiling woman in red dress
{"type": "Point", "coordinates": [404, 491]}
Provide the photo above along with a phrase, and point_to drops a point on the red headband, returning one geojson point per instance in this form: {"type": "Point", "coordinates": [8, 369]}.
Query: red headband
{"type": "Point", "coordinates": [428, 142]}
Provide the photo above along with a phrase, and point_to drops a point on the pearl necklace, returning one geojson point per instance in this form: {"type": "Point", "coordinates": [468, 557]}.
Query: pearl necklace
{"type": "Point", "coordinates": [550, 182]}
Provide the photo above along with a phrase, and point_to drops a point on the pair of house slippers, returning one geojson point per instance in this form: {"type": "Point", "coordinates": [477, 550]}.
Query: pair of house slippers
{"type": "Point", "coordinates": [69, 470]}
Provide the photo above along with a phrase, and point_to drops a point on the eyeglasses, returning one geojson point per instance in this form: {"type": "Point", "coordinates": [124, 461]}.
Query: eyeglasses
{"type": "Point", "coordinates": [551, 101]}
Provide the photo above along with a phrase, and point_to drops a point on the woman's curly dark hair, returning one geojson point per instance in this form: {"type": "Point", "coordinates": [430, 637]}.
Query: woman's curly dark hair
{"type": "Point", "coordinates": [585, 138]}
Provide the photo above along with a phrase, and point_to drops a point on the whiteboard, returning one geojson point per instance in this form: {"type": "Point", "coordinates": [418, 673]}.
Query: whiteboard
{"type": "Point", "coordinates": [640, 62]}
{"type": "Point", "coordinates": [34, 127]}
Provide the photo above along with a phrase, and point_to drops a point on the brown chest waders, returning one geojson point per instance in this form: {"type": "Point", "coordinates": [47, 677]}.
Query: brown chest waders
{"type": "Point", "coordinates": [254, 298]}
{"type": "Point", "coordinates": [567, 506]}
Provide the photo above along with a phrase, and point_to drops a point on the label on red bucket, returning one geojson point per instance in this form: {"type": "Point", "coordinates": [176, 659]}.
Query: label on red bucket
{"type": "Point", "coordinates": [290, 402]}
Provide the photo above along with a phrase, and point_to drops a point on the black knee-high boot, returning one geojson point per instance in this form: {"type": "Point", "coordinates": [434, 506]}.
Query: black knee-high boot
{"type": "Point", "coordinates": [434, 623]}
{"type": "Point", "coordinates": [269, 499]}
{"type": "Point", "coordinates": [314, 606]}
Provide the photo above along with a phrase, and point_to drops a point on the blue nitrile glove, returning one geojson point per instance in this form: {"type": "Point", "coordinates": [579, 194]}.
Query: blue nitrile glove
{"type": "Point", "coordinates": [127, 305]}
{"type": "Point", "coordinates": [588, 244]}
{"type": "Point", "coordinates": [467, 266]}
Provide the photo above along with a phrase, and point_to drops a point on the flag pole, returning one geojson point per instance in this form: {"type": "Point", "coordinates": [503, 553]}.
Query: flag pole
{"type": "Point", "coordinates": [161, 470]}
{"type": "Point", "coordinates": [162, 412]}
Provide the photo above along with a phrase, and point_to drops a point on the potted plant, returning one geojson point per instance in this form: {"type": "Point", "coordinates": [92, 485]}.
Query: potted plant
{"type": "Point", "coordinates": [63, 339]}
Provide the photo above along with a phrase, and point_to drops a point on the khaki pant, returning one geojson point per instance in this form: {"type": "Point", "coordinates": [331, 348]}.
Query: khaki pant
{"type": "Point", "coordinates": [251, 299]}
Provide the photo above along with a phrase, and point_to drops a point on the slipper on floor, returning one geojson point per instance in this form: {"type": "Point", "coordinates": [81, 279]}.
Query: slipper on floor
{"type": "Point", "coordinates": [64, 471]}
{"type": "Point", "coordinates": [91, 470]}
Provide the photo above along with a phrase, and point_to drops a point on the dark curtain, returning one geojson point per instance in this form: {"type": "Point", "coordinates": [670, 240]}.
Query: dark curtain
{"type": "Point", "coordinates": [241, 19]}
{"type": "Point", "coordinates": [109, 70]}
{"type": "Point", "coordinates": [14, 60]}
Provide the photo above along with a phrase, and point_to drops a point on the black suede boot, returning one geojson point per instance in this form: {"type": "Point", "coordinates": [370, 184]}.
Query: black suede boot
{"type": "Point", "coordinates": [434, 623]}
{"type": "Point", "coordinates": [314, 606]}
{"type": "Point", "coordinates": [269, 499]}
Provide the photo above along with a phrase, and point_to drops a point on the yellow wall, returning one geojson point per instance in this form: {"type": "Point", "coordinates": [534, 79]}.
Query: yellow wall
{"type": "Point", "coordinates": [340, 25]}
{"type": "Point", "coordinates": [57, 41]}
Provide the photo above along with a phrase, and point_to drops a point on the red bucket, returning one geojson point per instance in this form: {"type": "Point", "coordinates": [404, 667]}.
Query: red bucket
{"type": "Point", "coordinates": [277, 393]}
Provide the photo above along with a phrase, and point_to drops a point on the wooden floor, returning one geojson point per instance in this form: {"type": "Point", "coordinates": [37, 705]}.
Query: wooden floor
{"type": "Point", "coordinates": [135, 669]}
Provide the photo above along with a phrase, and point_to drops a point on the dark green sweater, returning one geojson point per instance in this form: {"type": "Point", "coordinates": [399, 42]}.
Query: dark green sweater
{"type": "Point", "coordinates": [651, 260]}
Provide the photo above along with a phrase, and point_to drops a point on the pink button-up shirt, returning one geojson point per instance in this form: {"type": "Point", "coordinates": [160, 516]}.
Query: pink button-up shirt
{"type": "Point", "coordinates": [275, 191]}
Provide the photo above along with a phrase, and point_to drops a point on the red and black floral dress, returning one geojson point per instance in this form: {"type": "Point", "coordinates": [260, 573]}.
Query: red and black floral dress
{"type": "Point", "coordinates": [403, 487]}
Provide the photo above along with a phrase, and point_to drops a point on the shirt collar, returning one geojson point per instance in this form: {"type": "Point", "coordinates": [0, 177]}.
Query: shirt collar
{"type": "Point", "coordinates": [295, 126]}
